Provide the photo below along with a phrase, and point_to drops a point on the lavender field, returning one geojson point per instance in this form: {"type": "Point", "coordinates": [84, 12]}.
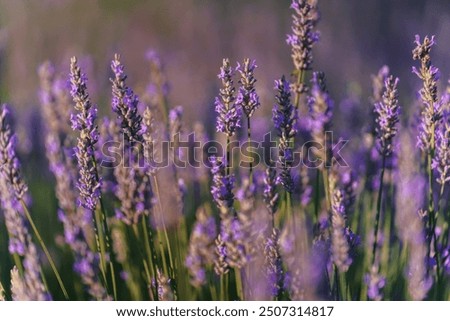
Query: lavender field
{"type": "Point", "coordinates": [224, 150]}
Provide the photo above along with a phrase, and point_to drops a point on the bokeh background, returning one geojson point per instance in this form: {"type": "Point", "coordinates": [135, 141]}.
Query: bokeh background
{"type": "Point", "coordinates": [192, 36]}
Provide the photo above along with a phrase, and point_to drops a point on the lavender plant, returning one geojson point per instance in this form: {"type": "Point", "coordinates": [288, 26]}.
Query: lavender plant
{"type": "Point", "coordinates": [145, 227]}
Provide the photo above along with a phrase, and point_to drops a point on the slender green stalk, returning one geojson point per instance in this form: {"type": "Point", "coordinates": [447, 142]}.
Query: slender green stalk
{"type": "Point", "coordinates": [299, 82]}
{"type": "Point", "coordinates": [44, 248]}
{"type": "Point", "coordinates": [249, 140]}
{"type": "Point", "coordinates": [144, 262]}
{"type": "Point", "coordinates": [378, 212]}
{"type": "Point", "coordinates": [343, 286]}
{"type": "Point", "coordinates": [101, 245]}
{"type": "Point", "coordinates": [239, 284]}
{"type": "Point", "coordinates": [166, 236]}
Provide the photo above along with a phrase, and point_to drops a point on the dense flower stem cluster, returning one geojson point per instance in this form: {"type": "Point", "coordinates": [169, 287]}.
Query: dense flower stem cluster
{"type": "Point", "coordinates": [133, 189]}
{"type": "Point", "coordinates": [214, 232]}
{"type": "Point", "coordinates": [13, 189]}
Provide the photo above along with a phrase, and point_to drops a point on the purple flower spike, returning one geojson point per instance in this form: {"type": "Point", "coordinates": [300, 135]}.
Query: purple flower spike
{"type": "Point", "coordinates": [441, 161]}
{"type": "Point", "coordinates": [89, 181]}
{"type": "Point", "coordinates": [303, 35]}
{"type": "Point", "coordinates": [247, 98]}
{"type": "Point", "coordinates": [387, 112]}
{"type": "Point", "coordinates": [125, 103]}
{"type": "Point", "coordinates": [12, 191]}
{"type": "Point", "coordinates": [284, 117]}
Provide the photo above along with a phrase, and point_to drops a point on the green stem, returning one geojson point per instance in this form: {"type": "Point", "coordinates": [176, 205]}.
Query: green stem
{"type": "Point", "coordinates": [166, 236]}
{"type": "Point", "coordinates": [249, 140]}
{"type": "Point", "coordinates": [99, 233]}
{"type": "Point", "coordinates": [228, 165]}
{"type": "Point", "coordinates": [239, 285]}
{"type": "Point", "coordinates": [377, 216]}
{"type": "Point", "coordinates": [299, 81]}
{"type": "Point", "coordinates": [44, 248]}
{"type": "Point", "coordinates": [343, 286]}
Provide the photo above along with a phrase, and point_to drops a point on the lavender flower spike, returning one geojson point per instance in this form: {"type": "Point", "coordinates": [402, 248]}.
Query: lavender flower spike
{"type": "Point", "coordinates": [303, 35]}
{"type": "Point", "coordinates": [284, 117]}
{"type": "Point", "coordinates": [247, 98]}
{"type": "Point", "coordinates": [125, 103]}
{"type": "Point", "coordinates": [387, 112]}
{"type": "Point", "coordinates": [12, 191]}
{"type": "Point", "coordinates": [429, 74]}
{"type": "Point", "coordinates": [273, 263]}
{"type": "Point", "coordinates": [229, 115]}
{"type": "Point", "coordinates": [441, 161]}
{"type": "Point", "coordinates": [89, 181]}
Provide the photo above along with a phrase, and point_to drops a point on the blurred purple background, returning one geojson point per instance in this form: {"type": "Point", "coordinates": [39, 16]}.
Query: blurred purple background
{"type": "Point", "coordinates": [192, 36]}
